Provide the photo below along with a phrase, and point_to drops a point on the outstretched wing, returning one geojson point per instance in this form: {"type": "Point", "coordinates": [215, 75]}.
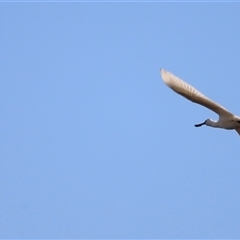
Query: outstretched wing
{"type": "Point", "coordinates": [192, 94]}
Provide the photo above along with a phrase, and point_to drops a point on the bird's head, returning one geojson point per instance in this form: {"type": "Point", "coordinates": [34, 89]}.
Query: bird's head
{"type": "Point", "coordinates": [208, 122]}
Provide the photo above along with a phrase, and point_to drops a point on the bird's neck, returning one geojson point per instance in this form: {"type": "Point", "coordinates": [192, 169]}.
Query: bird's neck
{"type": "Point", "coordinates": [212, 123]}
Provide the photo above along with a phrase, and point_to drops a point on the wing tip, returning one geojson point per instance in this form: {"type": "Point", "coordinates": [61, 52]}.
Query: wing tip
{"type": "Point", "coordinates": [162, 70]}
{"type": "Point", "coordinates": [166, 76]}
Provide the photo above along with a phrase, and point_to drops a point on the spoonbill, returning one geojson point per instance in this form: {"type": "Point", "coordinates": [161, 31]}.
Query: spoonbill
{"type": "Point", "coordinates": [226, 120]}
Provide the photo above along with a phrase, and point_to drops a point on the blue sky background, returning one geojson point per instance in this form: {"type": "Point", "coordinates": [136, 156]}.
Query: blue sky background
{"type": "Point", "coordinates": [93, 144]}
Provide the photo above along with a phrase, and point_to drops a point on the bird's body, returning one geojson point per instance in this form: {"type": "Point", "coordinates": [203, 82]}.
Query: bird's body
{"type": "Point", "coordinates": [226, 120]}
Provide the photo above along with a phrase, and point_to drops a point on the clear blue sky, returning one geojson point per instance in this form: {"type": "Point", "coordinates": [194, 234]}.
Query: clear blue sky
{"type": "Point", "coordinates": [93, 144]}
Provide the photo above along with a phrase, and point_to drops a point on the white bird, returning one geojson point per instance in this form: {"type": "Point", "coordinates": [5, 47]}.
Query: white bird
{"type": "Point", "coordinates": [226, 120]}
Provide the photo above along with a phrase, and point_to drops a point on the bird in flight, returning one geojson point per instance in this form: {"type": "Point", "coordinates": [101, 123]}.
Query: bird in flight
{"type": "Point", "coordinates": [226, 120]}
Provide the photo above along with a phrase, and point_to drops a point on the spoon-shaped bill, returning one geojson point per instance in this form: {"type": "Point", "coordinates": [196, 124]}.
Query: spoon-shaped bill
{"type": "Point", "coordinates": [200, 124]}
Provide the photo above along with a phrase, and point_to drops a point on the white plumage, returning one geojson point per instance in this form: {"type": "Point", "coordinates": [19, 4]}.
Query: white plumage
{"type": "Point", "coordinates": [226, 120]}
